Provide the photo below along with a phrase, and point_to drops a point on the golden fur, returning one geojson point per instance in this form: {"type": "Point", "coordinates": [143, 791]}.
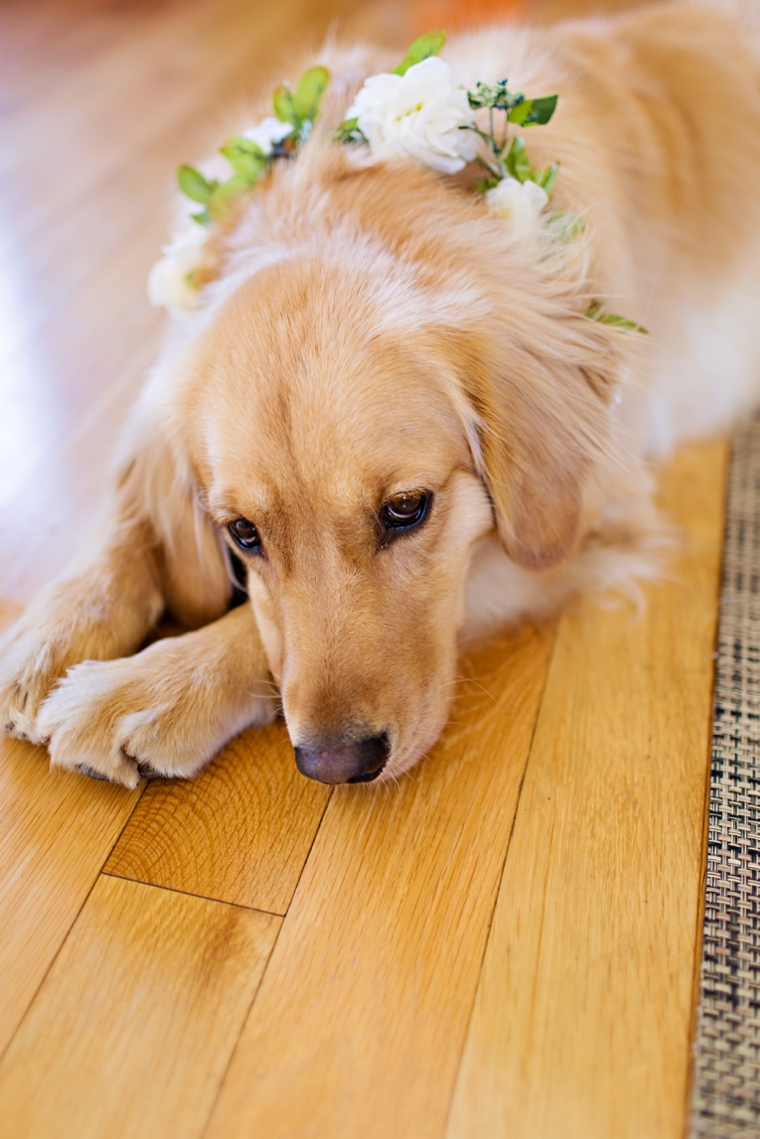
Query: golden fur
{"type": "Point", "coordinates": [372, 329]}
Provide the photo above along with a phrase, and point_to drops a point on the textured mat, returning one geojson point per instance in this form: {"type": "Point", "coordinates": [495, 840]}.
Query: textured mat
{"type": "Point", "coordinates": [726, 1084]}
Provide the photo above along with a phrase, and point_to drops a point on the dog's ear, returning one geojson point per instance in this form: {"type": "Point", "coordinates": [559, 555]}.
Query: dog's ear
{"type": "Point", "coordinates": [540, 420]}
{"type": "Point", "coordinates": [155, 486]}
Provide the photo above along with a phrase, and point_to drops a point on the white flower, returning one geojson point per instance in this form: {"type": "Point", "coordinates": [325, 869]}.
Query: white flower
{"type": "Point", "coordinates": [268, 132]}
{"type": "Point", "coordinates": [417, 115]}
{"type": "Point", "coordinates": [521, 202]}
{"type": "Point", "coordinates": [169, 282]}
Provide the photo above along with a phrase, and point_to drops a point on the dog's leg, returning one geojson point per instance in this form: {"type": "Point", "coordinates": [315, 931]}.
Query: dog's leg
{"type": "Point", "coordinates": [165, 711]}
{"type": "Point", "coordinates": [102, 607]}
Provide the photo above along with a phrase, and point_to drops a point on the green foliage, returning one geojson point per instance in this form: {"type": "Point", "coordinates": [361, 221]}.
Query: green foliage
{"type": "Point", "coordinates": [348, 131]}
{"type": "Point", "coordinates": [546, 176]}
{"type": "Point", "coordinates": [422, 48]}
{"type": "Point", "coordinates": [282, 101]}
{"type": "Point", "coordinates": [530, 111]}
{"type": "Point", "coordinates": [194, 186]}
{"type": "Point", "coordinates": [507, 156]}
{"type": "Point", "coordinates": [596, 312]}
{"type": "Point", "coordinates": [308, 94]}
{"type": "Point", "coordinates": [225, 193]}
{"type": "Point", "coordinates": [517, 162]}
{"type": "Point", "coordinates": [246, 157]}
{"type": "Point", "coordinates": [564, 227]}
{"type": "Point", "coordinates": [496, 97]}
{"type": "Point", "coordinates": [300, 108]}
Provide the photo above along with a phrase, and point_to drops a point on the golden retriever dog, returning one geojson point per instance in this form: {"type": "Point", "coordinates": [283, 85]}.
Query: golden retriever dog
{"type": "Point", "coordinates": [395, 410]}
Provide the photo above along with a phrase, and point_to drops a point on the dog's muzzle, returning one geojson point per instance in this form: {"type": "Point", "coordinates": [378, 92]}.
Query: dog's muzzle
{"type": "Point", "coordinates": [358, 762]}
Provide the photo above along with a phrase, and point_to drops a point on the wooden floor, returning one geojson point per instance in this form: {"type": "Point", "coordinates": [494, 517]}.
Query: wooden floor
{"type": "Point", "coordinates": [505, 945]}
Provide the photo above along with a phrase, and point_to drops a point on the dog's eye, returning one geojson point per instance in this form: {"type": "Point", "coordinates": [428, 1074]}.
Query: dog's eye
{"type": "Point", "coordinates": [405, 510]}
{"type": "Point", "coordinates": [245, 534]}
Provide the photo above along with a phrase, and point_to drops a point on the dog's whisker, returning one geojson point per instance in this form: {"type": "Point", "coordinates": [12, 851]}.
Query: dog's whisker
{"type": "Point", "coordinates": [467, 680]}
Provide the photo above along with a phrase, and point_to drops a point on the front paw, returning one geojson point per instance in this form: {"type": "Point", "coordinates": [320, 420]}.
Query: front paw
{"type": "Point", "coordinates": [141, 715]}
{"type": "Point", "coordinates": [87, 720]}
{"type": "Point", "coordinates": [28, 670]}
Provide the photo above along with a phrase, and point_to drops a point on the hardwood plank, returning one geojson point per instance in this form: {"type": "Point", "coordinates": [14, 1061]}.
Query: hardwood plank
{"type": "Point", "coordinates": [35, 34]}
{"type": "Point", "coordinates": [47, 388]}
{"type": "Point", "coordinates": [132, 1030]}
{"type": "Point", "coordinates": [56, 831]}
{"type": "Point", "coordinates": [239, 832]}
{"type": "Point", "coordinates": [359, 1024]}
{"type": "Point", "coordinates": [67, 485]}
{"type": "Point", "coordinates": [581, 1024]}
{"type": "Point", "coordinates": [175, 50]}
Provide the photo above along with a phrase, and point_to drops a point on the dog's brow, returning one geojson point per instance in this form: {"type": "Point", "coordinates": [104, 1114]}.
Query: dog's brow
{"type": "Point", "coordinates": [225, 509]}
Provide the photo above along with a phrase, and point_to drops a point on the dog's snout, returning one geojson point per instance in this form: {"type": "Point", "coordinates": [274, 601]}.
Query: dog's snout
{"type": "Point", "coordinates": [357, 762]}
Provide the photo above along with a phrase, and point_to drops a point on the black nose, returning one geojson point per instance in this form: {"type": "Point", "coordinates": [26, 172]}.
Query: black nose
{"type": "Point", "coordinates": [359, 762]}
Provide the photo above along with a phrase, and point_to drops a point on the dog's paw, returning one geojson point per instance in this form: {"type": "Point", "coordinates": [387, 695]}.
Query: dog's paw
{"type": "Point", "coordinates": [86, 722]}
{"type": "Point", "coordinates": [30, 665]}
{"type": "Point", "coordinates": [156, 713]}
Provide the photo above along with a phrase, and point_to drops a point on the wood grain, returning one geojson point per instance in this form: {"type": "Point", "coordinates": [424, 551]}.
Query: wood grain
{"type": "Point", "coordinates": [56, 831]}
{"type": "Point", "coordinates": [581, 1024]}
{"type": "Point", "coordinates": [252, 803]}
{"type": "Point", "coordinates": [360, 1021]}
{"type": "Point", "coordinates": [132, 1030]}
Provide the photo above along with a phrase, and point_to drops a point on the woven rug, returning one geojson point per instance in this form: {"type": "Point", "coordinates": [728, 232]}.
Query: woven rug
{"type": "Point", "coordinates": [726, 1080]}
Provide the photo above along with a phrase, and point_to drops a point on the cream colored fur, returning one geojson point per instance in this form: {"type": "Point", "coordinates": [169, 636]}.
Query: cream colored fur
{"type": "Point", "coordinates": [371, 329]}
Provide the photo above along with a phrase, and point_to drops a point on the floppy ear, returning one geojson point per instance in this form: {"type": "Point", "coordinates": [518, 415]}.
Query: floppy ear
{"type": "Point", "coordinates": [541, 418]}
{"type": "Point", "coordinates": [154, 486]}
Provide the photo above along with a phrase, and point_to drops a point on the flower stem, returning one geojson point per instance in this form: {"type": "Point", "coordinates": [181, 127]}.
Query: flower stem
{"type": "Point", "coordinates": [504, 133]}
{"type": "Point", "coordinates": [494, 173]}
{"type": "Point", "coordinates": [476, 130]}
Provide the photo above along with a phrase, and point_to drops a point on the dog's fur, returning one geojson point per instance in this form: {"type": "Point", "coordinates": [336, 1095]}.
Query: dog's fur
{"type": "Point", "coordinates": [371, 329]}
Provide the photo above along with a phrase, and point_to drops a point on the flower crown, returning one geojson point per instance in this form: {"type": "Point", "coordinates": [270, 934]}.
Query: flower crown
{"type": "Point", "coordinates": [414, 112]}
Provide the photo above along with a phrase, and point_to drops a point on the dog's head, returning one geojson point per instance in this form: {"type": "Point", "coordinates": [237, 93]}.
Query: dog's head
{"type": "Point", "coordinates": [357, 422]}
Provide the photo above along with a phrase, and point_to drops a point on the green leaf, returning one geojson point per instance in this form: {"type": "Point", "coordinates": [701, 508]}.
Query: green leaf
{"type": "Point", "coordinates": [226, 192]}
{"type": "Point", "coordinates": [533, 111]}
{"type": "Point", "coordinates": [245, 156]}
{"type": "Point", "coordinates": [203, 218]}
{"type": "Point", "coordinates": [282, 101]}
{"type": "Point", "coordinates": [595, 312]}
{"type": "Point", "coordinates": [546, 177]}
{"type": "Point", "coordinates": [194, 186]}
{"type": "Point", "coordinates": [485, 184]}
{"type": "Point", "coordinates": [348, 131]}
{"type": "Point", "coordinates": [422, 48]}
{"type": "Point", "coordinates": [621, 322]}
{"type": "Point", "coordinates": [308, 95]}
{"type": "Point", "coordinates": [565, 226]}
{"type": "Point", "coordinates": [516, 160]}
